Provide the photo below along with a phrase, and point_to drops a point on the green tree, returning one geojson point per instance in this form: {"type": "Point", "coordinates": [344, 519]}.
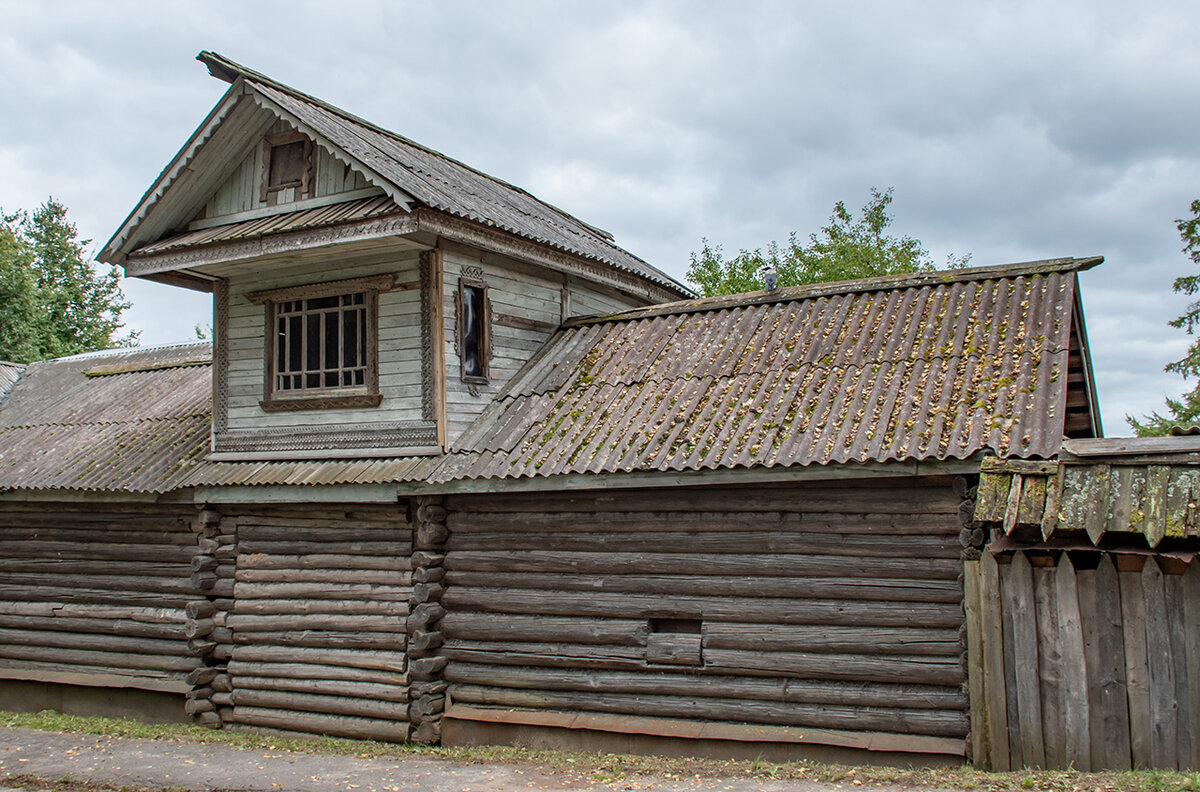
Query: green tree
{"type": "Point", "coordinates": [1185, 410]}
{"type": "Point", "coordinates": [53, 302]}
{"type": "Point", "coordinates": [845, 249]}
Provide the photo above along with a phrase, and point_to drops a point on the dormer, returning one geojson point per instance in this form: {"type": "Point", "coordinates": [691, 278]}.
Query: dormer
{"type": "Point", "coordinates": [371, 296]}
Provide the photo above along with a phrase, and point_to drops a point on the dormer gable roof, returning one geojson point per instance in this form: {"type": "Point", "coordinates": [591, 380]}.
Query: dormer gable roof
{"type": "Point", "coordinates": [413, 176]}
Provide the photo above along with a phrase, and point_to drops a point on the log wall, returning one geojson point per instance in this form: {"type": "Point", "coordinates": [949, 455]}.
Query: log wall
{"type": "Point", "coordinates": [311, 636]}
{"type": "Point", "coordinates": [1087, 660]}
{"type": "Point", "coordinates": [833, 608]}
{"type": "Point", "coordinates": [98, 595]}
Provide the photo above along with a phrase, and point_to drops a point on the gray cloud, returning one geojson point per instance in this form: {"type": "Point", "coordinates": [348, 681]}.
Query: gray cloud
{"type": "Point", "coordinates": [1009, 131]}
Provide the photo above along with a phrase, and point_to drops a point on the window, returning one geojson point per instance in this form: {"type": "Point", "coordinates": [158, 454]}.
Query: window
{"type": "Point", "coordinates": [321, 348]}
{"type": "Point", "coordinates": [287, 165]}
{"type": "Point", "coordinates": [474, 330]}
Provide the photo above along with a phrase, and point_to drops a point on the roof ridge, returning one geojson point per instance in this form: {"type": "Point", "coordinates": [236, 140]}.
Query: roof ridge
{"type": "Point", "coordinates": [229, 70]}
{"type": "Point", "coordinates": [839, 288]}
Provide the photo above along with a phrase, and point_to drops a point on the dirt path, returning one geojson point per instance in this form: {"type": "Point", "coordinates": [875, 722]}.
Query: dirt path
{"type": "Point", "coordinates": [159, 764]}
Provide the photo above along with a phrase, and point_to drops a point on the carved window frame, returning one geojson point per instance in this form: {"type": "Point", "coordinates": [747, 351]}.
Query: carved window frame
{"type": "Point", "coordinates": [473, 280]}
{"type": "Point", "coordinates": [303, 186]}
{"type": "Point", "coordinates": [324, 398]}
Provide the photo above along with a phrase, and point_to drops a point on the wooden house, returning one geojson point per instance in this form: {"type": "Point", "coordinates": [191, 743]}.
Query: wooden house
{"type": "Point", "coordinates": [459, 468]}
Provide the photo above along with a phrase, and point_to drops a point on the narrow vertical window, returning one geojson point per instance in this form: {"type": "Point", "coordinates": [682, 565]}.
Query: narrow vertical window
{"type": "Point", "coordinates": [473, 331]}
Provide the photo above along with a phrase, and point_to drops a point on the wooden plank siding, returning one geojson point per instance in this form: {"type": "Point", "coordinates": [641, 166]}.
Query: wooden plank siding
{"type": "Point", "coordinates": [399, 344]}
{"type": "Point", "coordinates": [1100, 673]}
{"type": "Point", "coordinates": [527, 306]}
{"type": "Point", "coordinates": [97, 596]}
{"type": "Point", "coordinates": [830, 607]}
{"type": "Point", "coordinates": [316, 621]}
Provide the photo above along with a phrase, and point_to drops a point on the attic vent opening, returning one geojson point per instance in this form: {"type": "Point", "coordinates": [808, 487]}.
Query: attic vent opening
{"type": "Point", "coordinates": [675, 641]}
{"type": "Point", "coordinates": [287, 167]}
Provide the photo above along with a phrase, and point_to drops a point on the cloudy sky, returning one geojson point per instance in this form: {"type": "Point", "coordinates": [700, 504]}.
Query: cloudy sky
{"type": "Point", "coordinates": [1010, 131]}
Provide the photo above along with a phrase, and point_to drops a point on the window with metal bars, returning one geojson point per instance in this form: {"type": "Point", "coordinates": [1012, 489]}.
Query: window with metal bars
{"type": "Point", "coordinates": [320, 343]}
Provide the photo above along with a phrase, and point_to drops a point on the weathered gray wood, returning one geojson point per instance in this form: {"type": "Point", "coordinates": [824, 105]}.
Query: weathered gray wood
{"type": "Point", "coordinates": [330, 725]}
{"type": "Point", "coordinates": [1075, 683]}
{"type": "Point", "coordinates": [995, 676]}
{"type": "Point", "coordinates": [1163, 730]}
{"type": "Point", "coordinates": [1137, 669]}
{"type": "Point", "coordinates": [942, 642]}
{"type": "Point", "coordinates": [126, 627]}
{"type": "Point", "coordinates": [1173, 589]}
{"type": "Point", "coordinates": [1191, 614]}
{"type": "Point", "coordinates": [326, 687]}
{"type": "Point", "coordinates": [1110, 676]}
{"type": "Point", "coordinates": [319, 703]}
{"type": "Point", "coordinates": [93, 596]}
{"type": "Point", "coordinates": [1050, 667]}
{"type": "Point", "coordinates": [315, 606]}
{"type": "Point", "coordinates": [66, 566]}
{"type": "Point", "coordinates": [1018, 587]}
{"type": "Point", "coordinates": [379, 577]}
{"type": "Point", "coordinates": [353, 658]}
{"type": "Point", "coordinates": [101, 642]}
{"type": "Point", "coordinates": [1155, 525]}
{"type": "Point", "coordinates": [316, 672]}
{"type": "Point", "coordinates": [887, 590]}
{"type": "Point", "coordinates": [712, 542]}
{"type": "Point", "coordinates": [976, 675]}
{"type": "Point", "coordinates": [688, 563]}
{"type": "Point", "coordinates": [250, 623]}
{"type": "Point", "coordinates": [763, 610]}
{"type": "Point", "coordinates": [82, 551]}
{"type": "Point", "coordinates": [721, 521]}
{"type": "Point", "coordinates": [112, 660]}
{"type": "Point", "coordinates": [321, 638]}
{"type": "Point", "coordinates": [397, 547]}
{"type": "Point", "coordinates": [341, 530]}
{"type": "Point", "coordinates": [290, 561]}
{"type": "Point", "coordinates": [151, 586]}
{"type": "Point", "coordinates": [932, 722]}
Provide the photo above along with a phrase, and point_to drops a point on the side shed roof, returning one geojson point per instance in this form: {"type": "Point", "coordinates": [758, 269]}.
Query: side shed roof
{"type": "Point", "coordinates": [935, 366]}
{"type": "Point", "coordinates": [125, 420]}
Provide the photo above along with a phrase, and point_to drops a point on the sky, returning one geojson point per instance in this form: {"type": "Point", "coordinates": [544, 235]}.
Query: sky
{"type": "Point", "coordinates": [1008, 131]}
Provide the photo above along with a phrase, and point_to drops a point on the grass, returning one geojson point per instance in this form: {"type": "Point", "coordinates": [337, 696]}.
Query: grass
{"type": "Point", "coordinates": [600, 768]}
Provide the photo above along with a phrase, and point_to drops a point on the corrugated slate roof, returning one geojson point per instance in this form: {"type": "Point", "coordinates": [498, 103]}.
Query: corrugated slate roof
{"type": "Point", "coordinates": [919, 367]}
{"type": "Point", "coordinates": [126, 420]}
{"type": "Point", "coordinates": [310, 472]}
{"type": "Point", "coordinates": [9, 374]}
{"type": "Point", "coordinates": [333, 214]}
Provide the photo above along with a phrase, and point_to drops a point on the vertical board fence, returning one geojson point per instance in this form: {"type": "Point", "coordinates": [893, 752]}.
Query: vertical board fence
{"type": "Point", "coordinates": [1090, 662]}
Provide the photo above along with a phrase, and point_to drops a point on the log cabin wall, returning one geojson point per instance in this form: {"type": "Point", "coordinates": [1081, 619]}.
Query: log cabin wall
{"type": "Point", "coordinates": [823, 613]}
{"type": "Point", "coordinates": [314, 620]}
{"type": "Point", "coordinates": [96, 596]}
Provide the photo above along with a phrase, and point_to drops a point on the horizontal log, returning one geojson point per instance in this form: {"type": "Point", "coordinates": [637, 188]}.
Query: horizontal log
{"type": "Point", "coordinates": [341, 531]}
{"type": "Point", "coordinates": [832, 638]}
{"type": "Point", "coordinates": [568, 629]}
{"type": "Point", "coordinates": [86, 611]}
{"type": "Point", "coordinates": [726, 521]}
{"type": "Point", "coordinates": [887, 590]}
{"type": "Point", "coordinates": [911, 721]}
{"type": "Point", "coordinates": [67, 566]}
{"type": "Point", "coordinates": [316, 671]}
{"type": "Point", "coordinates": [200, 609]}
{"type": "Point", "coordinates": [109, 643]}
{"type": "Point", "coordinates": [116, 660]}
{"type": "Point", "coordinates": [396, 547]}
{"type": "Point", "coordinates": [688, 684]}
{"type": "Point", "coordinates": [391, 561]}
{"type": "Point", "coordinates": [315, 517]}
{"type": "Point", "coordinates": [198, 706]}
{"type": "Point", "coordinates": [351, 658]}
{"type": "Point", "coordinates": [329, 725]}
{"type": "Point", "coordinates": [94, 675]}
{"type": "Point", "coordinates": [909, 497]}
{"type": "Point", "coordinates": [689, 563]}
{"type": "Point", "coordinates": [385, 577]}
{"type": "Point", "coordinates": [93, 550]}
{"type": "Point", "coordinates": [125, 627]}
{"type": "Point", "coordinates": [919, 670]}
{"type": "Point", "coordinates": [327, 687]}
{"type": "Point", "coordinates": [99, 535]}
{"type": "Point", "coordinates": [311, 702]}
{"type": "Point", "coordinates": [94, 596]}
{"type": "Point", "coordinates": [323, 591]}
{"type": "Point", "coordinates": [248, 623]}
{"type": "Point", "coordinates": [300, 607]}
{"type": "Point", "coordinates": [322, 638]}
{"type": "Point", "coordinates": [168, 586]}
{"type": "Point", "coordinates": [756, 610]}
{"type": "Point", "coordinates": [764, 542]}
